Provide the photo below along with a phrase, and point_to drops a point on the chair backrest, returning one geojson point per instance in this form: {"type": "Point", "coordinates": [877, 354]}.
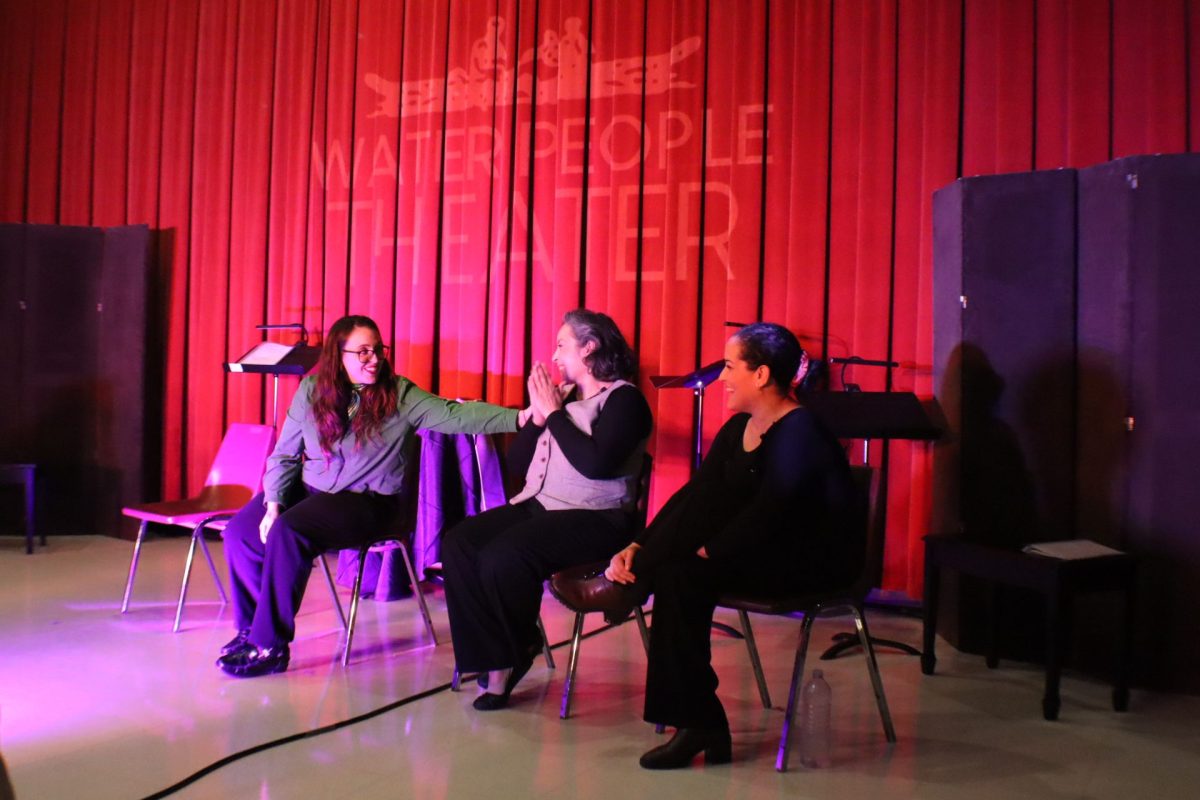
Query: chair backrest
{"type": "Point", "coordinates": [242, 457]}
{"type": "Point", "coordinates": [642, 499]}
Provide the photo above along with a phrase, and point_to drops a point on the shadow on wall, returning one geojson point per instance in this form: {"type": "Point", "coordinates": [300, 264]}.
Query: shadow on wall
{"type": "Point", "coordinates": [983, 492]}
{"type": "Point", "coordinates": [1044, 405]}
{"type": "Point", "coordinates": [984, 488]}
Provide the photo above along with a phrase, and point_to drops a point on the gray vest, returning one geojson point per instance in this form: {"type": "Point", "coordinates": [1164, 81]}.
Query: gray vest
{"type": "Point", "coordinates": [557, 485]}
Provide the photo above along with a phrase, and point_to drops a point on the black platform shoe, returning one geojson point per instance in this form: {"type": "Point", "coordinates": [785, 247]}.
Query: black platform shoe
{"type": "Point", "coordinates": [252, 661]}
{"type": "Point", "coordinates": [686, 744]}
{"type": "Point", "coordinates": [238, 642]}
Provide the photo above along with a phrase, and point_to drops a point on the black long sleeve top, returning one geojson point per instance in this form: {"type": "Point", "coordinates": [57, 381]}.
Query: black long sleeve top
{"type": "Point", "coordinates": [624, 421]}
{"type": "Point", "coordinates": [789, 498]}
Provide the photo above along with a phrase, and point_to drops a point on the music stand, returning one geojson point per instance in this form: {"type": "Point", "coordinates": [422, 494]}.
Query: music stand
{"type": "Point", "coordinates": [697, 380]}
{"type": "Point", "coordinates": [275, 359]}
{"type": "Point", "coordinates": [866, 416]}
{"type": "Point", "coordinates": [872, 415]}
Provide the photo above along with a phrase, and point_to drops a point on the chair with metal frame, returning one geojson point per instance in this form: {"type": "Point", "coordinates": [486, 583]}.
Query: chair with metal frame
{"type": "Point", "coordinates": [381, 547]}
{"type": "Point", "coordinates": [400, 538]}
{"type": "Point", "coordinates": [565, 586]}
{"type": "Point", "coordinates": [848, 599]}
{"type": "Point", "coordinates": [234, 478]}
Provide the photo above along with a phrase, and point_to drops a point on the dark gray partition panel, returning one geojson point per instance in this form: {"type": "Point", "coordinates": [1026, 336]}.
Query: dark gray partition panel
{"type": "Point", "coordinates": [12, 293]}
{"type": "Point", "coordinates": [1139, 328]}
{"type": "Point", "coordinates": [125, 345]}
{"type": "Point", "coordinates": [1004, 347]}
{"type": "Point", "coordinates": [74, 314]}
{"type": "Point", "coordinates": [1004, 352]}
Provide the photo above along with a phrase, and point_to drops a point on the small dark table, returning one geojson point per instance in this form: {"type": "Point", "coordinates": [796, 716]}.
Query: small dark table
{"type": "Point", "coordinates": [23, 475]}
{"type": "Point", "coordinates": [1058, 580]}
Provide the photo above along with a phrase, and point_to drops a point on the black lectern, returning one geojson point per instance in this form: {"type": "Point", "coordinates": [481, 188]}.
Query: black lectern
{"type": "Point", "coordinates": [867, 416]}
{"type": "Point", "coordinates": [275, 359]}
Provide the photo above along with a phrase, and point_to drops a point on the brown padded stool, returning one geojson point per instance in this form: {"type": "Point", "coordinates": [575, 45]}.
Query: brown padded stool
{"type": "Point", "coordinates": [1058, 580]}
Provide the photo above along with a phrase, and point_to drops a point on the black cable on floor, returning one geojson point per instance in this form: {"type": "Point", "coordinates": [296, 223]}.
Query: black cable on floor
{"type": "Point", "coordinates": [295, 737]}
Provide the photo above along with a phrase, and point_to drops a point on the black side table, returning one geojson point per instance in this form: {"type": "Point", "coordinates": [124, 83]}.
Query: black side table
{"type": "Point", "coordinates": [24, 475]}
{"type": "Point", "coordinates": [1057, 580]}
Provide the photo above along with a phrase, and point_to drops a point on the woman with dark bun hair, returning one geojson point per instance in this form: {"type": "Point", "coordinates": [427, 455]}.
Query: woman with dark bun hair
{"type": "Point", "coordinates": [767, 512]}
{"type": "Point", "coordinates": [333, 481]}
{"type": "Point", "coordinates": [582, 456]}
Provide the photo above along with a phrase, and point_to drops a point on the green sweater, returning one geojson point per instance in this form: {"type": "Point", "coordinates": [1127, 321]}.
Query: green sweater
{"type": "Point", "coordinates": [378, 465]}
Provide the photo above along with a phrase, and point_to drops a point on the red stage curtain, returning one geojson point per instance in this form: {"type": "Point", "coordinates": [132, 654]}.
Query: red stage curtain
{"type": "Point", "coordinates": [466, 172]}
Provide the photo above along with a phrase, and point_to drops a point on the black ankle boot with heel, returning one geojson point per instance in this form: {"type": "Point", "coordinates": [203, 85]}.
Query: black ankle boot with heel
{"type": "Point", "coordinates": [686, 744]}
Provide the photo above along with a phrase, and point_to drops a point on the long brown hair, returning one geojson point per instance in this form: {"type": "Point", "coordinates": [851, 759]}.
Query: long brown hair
{"type": "Point", "coordinates": [333, 392]}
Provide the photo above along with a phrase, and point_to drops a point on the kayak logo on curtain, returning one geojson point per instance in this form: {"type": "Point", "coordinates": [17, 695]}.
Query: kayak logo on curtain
{"type": "Point", "coordinates": [489, 80]}
{"type": "Point", "coordinates": [462, 102]}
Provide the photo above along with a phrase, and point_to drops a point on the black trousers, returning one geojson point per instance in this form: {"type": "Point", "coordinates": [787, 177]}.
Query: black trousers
{"type": "Point", "coordinates": [495, 564]}
{"type": "Point", "coordinates": [681, 685]}
{"type": "Point", "coordinates": [269, 580]}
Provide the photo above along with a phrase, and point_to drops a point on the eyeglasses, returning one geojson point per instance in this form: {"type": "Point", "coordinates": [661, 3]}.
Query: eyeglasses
{"type": "Point", "coordinates": [364, 354]}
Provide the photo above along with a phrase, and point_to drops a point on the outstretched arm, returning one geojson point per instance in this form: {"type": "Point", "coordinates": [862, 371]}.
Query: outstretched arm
{"type": "Point", "coordinates": [433, 413]}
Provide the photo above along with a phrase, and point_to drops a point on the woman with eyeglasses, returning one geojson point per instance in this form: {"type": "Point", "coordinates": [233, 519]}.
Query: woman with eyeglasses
{"type": "Point", "coordinates": [334, 481]}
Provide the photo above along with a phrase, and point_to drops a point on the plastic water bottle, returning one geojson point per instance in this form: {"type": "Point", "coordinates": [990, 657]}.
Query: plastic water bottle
{"type": "Point", "coordinates": [816, 703]}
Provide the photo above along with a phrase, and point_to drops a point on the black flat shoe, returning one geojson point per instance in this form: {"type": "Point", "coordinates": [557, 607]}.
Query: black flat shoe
{"type": "Point", "coordinates": [686, 744]}
{"type": "Point", "coordinates": [254, 661]}
{"type": "Point", "coordinates": [494, 702]}
{"type": "Point", "coordinates": [238, 642]}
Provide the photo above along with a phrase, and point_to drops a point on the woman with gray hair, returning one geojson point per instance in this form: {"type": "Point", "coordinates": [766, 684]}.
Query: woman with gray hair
{"type": "Point", "coordinates": [581, 454]}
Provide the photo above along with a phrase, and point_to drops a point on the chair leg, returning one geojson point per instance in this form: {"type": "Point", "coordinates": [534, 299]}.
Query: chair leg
{"type": "Point", "coordinates": [187, 576]}
{"type": "Point", "coordinates": [333, 595]}
{"type": "Point", "coordinates": [755, 661]}
{"type": "Point", "coordinates": [416, 587]}
{"type": "Point", "coordinates": [885, 715]}
{"type": "Point", "coordinates": [456, 680]}
{"type": "Point", "coordinates": [212, 567]}
{"type": "Point", "coordinates": [354, 598]}
{"type": "Point", "coordinates": [569, 685]}
{"type": "Point", "coordinates": [30, 523]}
{"type": "Point", "coordinates": [549, 656]}
{"type": "Point", "coordinates": [640, 616]}
{"type": "Point", "coordinates": [133, 562]}
{"type": "Point", "coordinates": [789, 714]}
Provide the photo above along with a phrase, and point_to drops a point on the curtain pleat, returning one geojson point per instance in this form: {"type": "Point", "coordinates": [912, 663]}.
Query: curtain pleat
{"type": "Point", "coordinates": [16, 70]}
{"type": "Point", "coordinates": [212, 187]}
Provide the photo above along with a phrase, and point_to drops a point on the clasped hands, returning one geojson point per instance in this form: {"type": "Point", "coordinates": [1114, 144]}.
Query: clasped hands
{"type": "Point", "coordinates": [545, 397]}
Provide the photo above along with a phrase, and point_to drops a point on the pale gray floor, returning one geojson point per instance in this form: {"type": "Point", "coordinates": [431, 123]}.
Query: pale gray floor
{"type": "Point", "coordinates": [99, 705]}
